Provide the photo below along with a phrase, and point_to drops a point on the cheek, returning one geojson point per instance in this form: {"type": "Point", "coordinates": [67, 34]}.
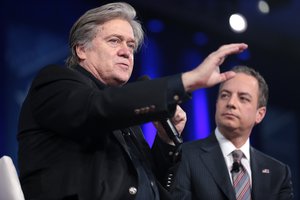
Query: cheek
{"type": "Point", "coordinates": [250, 115]}
{"type": "Point", "coordinates": [131, 64]}
{"type": "Point", "coordinates": [220, 106]}
{"type": "Point", "coordinates": [101, 58]}
{"type": "Point", "coordinates": [131, 61]}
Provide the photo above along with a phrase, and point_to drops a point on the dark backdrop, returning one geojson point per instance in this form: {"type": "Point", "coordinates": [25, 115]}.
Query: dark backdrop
{"type": "Point", "coordinates": [178, 37]}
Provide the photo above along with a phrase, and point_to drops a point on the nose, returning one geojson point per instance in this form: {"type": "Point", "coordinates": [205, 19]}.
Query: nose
{"type": "Point", "coordinates": [231, 102]}
{"type": "Point", "coordinates": [125, 51]}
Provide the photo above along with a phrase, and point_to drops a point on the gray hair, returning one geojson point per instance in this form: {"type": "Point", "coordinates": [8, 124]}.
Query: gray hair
{"type": "Point", "coordinates": [263, 95]}
{"type": "Point", "coordinates": [85, 28]}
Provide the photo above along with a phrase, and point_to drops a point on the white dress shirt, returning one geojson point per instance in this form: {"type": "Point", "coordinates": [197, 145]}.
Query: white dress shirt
{"type": "Point", "coordinates": [227, 147]}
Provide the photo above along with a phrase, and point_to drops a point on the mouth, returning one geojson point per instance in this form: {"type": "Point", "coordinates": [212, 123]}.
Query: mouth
{"type": "Point", "coordinates": [123, 66]}
{"type": "Point", "coordinates": [229, 115]}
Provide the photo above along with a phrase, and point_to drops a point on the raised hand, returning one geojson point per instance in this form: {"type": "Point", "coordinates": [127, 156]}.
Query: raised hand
{"type": "Point", "coordinates": [207, 73]}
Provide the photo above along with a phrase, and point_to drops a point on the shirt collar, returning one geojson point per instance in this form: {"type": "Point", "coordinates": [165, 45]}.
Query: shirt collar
{"type": "Point", "coordinates": [227, 147]}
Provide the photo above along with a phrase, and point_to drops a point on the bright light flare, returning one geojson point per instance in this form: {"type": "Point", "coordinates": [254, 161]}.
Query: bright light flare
{"type": "Point", "coordinates": [238, 23]}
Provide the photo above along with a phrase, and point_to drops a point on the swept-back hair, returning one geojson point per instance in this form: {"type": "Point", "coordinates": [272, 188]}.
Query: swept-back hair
{"type": "Point", "coordinates": [86, 27]}
{"type": "Point", "coordinates": [263, 88]}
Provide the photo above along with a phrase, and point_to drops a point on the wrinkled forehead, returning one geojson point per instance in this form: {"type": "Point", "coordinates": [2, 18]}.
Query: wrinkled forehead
{"type": "Point", "coordinates": [116, 27]}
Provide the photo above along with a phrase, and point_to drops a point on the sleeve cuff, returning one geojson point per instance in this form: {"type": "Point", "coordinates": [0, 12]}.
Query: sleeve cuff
{"type": "Point", "coordinates": [176, 93]}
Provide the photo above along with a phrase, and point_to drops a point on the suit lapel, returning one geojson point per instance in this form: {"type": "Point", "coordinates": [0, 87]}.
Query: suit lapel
{"type": "Point", "coordinates": [118, 135]}
{"type": "Point", "coordinates": [138, 140]}
{"type": "Point", "coordinates": [215, 163]}
{"type": "Point", "coordinates": [261, 176]}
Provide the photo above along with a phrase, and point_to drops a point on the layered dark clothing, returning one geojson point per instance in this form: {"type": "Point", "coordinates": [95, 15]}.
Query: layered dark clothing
{"type": "Point", "coordinates": [71, 135]}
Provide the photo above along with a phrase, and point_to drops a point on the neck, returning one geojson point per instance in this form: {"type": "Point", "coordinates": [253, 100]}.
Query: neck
{"type": "Point", "coordinates": [237, 138]}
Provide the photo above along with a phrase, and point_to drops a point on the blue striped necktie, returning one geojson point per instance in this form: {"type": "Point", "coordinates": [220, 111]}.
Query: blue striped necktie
{"type": "Point", "coordinates": [240, 177]}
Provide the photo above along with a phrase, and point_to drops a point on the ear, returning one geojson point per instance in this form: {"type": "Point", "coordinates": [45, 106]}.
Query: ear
{"type": "Point", "coordinates": [81, 52]}
{"type": "Point", "coordinates": [260, 114]}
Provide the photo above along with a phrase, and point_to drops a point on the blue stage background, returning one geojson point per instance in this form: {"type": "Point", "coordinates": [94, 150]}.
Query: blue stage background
{"type": "Point", "coordinates": [35, 33]}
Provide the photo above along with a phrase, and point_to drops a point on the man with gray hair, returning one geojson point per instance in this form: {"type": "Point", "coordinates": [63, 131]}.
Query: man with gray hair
{"type": "Point", "coordinates": [79, 135]}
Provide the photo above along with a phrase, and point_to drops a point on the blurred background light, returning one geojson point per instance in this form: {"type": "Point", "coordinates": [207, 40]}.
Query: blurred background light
{"type": "Point", "coordinates": [263, 7]}
{"type": "Point", "coordinates": [155, 26]}
{"type": "Point", "coordinates": [238, 23]}
{"type": "Point", "coordinates": [200, 38]}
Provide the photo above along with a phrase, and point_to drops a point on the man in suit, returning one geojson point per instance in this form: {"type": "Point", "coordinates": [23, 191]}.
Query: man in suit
{"type": "Point", "coordinates": [207, 170]}
{"type": "Point", "coordinates": [78, 130]}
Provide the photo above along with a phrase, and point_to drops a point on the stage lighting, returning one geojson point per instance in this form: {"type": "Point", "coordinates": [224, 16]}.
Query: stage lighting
{"type": "Point", "coordinates": [238, 23]}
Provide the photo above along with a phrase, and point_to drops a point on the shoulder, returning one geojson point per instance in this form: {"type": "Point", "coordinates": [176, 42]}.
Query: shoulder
{"type": "Point", "coordinates": [191, 145]}
{"type": "Point", "coordinates": [199, 145]}
{"type": "Point", "coordinates": [53, 73]}
{"type": "Point", "coordinates": [262, 158]}
{"type": "Point", "coordinates": [56, 70]}
{"type": "Point", "coordinates": [206, 144]}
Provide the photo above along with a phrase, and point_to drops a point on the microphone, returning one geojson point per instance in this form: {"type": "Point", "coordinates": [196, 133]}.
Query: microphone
{"type": "Point", "coordinates": [171, 131]}
{"type": "Point", "coordinates": [235, 167]}
{"type": "Point", "coordinates": [167, 123]}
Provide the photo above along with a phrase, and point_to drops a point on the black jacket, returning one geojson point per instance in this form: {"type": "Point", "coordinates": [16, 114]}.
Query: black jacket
{"type": "Point", "coordinates": [70, 141]}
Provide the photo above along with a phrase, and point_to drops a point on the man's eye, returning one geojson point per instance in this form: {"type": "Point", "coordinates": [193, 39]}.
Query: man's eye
{"type": "Point", "coordinates": [244, 99]}
{"type": "Point", "coordinates": [114, 41]}
{"type": "Point", "coordinates": [131, 46]}
{"type": "Point", "coordinates": [223, 96]}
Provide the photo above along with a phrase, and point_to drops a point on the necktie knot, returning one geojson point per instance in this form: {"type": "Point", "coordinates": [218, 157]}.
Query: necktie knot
{"type": "Point", "coordinates": [237, 155]}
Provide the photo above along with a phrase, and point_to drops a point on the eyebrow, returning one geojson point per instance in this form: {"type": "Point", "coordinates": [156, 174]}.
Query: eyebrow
{"type": "Point", "coordinates": [224, 91]}
{"type": "Point", "coordinates": [120, 36]}
{"type": "Point", "coordinates": [239, 93]}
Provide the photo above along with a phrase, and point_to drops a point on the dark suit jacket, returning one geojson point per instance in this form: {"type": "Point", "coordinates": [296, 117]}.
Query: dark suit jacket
{"type": "Point", "coordinates": [203, 174]}
{"type": "Point", "coordinates": [70, 141]}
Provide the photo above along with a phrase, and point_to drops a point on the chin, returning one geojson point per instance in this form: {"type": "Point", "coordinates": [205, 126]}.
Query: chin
{"type": "Point", "coordinates": [228, 125]}
{"type": "Point", "coordinates": [120, 79]}
{"type": "Point", "coordinates": [122, 82]}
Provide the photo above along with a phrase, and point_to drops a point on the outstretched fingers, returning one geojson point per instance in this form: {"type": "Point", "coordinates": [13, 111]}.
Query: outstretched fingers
{"type": "Point", "coordinates": [218, 57]}
{"type": "Point", "coordinates": [226, 75]}
{"type": "Point", "coordinates": [229, 49]}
